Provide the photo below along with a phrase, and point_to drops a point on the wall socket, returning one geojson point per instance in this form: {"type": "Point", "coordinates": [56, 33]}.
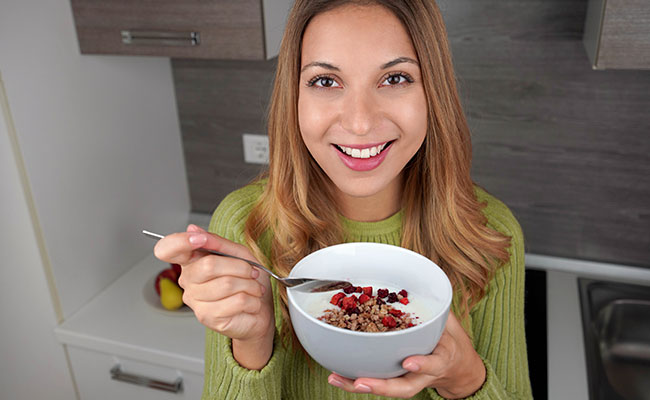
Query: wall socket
{"type": "Point", "coordinates": [256, 148]}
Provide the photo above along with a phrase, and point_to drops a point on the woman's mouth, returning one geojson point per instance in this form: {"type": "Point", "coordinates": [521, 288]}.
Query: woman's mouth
{"type": "Point", "coordinates": [366, 158]}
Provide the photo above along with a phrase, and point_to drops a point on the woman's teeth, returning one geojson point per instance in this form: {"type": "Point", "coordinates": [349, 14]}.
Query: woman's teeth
{"type": "Point", "coordinates": [363, 153]}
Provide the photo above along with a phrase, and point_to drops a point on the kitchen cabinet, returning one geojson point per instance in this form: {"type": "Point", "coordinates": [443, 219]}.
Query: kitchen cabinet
{"type": "Point", "coordinates": [617, 34]}
{"type": "Point", "coordinates": [214, 29]}
{"type": "Point", "coordinates": [104, 376]}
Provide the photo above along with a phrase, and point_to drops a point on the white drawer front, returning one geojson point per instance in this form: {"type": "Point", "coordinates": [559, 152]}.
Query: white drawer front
{"type": "Point", "coordinates": [92, 371]}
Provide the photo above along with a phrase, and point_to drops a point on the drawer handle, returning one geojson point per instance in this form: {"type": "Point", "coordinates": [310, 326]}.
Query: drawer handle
{"type": "Point", "coordinates": [119, 375]}
{"type": "Point", "coordinates": [161, 38]}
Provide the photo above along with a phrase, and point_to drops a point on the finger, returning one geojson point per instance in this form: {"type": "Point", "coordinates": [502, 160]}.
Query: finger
{"type": "Point", "coordinates": [224, 287]}
{"type": "Point", "coordinates": [405, 386]}
{"type": "Point", "coordinates": [211, 267]}
{"type": "Point", "coordinates": [178, 248]}
{"type": "Point", "coordinates": [341, 382]}
{"type": "Point", "coordinates": [228, 307]}
{"type": "Point", "coordinates": [433, 365]}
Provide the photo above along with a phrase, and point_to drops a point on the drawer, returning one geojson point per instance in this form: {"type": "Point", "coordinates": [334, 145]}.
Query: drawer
{"type": "Point", "coordinates": [92, 372]}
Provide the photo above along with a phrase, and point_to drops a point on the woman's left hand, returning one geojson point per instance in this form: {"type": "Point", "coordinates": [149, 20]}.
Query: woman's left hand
{"type": "Point", "coordinates": [454, 369]}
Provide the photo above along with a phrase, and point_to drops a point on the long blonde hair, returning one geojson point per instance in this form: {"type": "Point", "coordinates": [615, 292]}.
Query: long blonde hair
{"type": "Point", "coordinates": [442, 216]}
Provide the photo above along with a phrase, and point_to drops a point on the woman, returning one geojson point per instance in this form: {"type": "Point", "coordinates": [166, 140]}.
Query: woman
{"type": "Point", "coordinates": [368, 142]}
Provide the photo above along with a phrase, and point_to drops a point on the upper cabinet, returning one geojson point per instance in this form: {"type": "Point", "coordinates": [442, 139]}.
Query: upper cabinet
{"type": "Point", "coordinates": [215, 29]}
{"type": "Point", "coordinates": [617, 34]}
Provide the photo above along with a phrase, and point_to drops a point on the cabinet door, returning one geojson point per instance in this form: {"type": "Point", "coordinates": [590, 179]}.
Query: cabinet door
{"type": "Point", "coordinates": [218, 29]}
{"type": "Point", "coordinates": [102, 376]}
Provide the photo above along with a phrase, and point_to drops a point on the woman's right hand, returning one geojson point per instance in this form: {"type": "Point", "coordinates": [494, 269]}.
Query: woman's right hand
{"type": "Point", "coordinates": [227, 295]}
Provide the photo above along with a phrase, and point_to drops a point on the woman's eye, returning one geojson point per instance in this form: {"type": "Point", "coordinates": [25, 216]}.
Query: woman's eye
{"type": "Point", "coordinates": [396, 79]}
{"type": "Point", "coordinates": [324, 82]}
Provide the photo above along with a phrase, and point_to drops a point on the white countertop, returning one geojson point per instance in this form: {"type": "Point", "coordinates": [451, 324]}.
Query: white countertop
{"type": "Point", "coordinates": [119, 322]}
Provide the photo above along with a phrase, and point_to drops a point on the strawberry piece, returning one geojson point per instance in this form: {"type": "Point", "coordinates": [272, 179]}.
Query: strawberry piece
{"type": "Point", "coordinates": [388, 321]}
{"type": "Point", "coordinates": [337, 298]}
{"type": "Point", "coordinates": [404, 300]}
{"type": "Point", "coordinates": [396, 312]}
{"type": "Point", "coordinates": [349, 302]}
{"type": "Point", "coordinates": [410, 324]}
{"type": "Point", "coordinates": [367, 290]}
{"type": "Point", "coordinates": [404, 293]}
{"type": "Point", "coordinates": [363, 298]}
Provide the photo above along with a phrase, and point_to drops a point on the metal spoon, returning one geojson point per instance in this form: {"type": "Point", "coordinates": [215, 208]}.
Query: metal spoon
{"type": "Point", "coordinates": [311, 285]}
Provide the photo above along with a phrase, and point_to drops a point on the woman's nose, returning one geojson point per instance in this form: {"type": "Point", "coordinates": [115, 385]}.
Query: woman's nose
{"type": "Point", "coordinates": [358, 113]}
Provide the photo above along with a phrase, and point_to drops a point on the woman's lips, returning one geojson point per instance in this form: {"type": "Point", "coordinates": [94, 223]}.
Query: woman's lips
{"type": "Point", "coordinates": [363, 164]}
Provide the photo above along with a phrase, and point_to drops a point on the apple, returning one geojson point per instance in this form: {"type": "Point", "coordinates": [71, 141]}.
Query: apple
{"type": "Point", "coordinates": [168, 273]}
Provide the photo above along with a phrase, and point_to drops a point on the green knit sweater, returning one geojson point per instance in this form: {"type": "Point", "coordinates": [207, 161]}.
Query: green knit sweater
{"type": "Point", "coordinates": [496, 322]}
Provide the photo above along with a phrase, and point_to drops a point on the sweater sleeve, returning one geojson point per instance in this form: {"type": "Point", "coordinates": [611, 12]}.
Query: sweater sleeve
{"type": "Point", "coordinates": [498, 319]}
{"type": "Point", "coordinates": [224, 377]}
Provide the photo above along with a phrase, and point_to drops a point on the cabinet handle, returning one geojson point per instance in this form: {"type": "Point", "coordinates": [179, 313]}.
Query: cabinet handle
{"type": "Point", "coordinates": [119, 375]}
{"type": "Point", "coordinates": [161, 38]}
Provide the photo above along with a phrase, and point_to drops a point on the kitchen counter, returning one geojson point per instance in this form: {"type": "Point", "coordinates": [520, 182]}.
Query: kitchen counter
{"type": "Point", "coordinates": [119, 322]}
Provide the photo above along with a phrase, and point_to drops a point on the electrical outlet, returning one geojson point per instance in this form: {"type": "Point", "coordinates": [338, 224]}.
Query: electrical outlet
{"type": "Point", "coordinates": [256, 148]}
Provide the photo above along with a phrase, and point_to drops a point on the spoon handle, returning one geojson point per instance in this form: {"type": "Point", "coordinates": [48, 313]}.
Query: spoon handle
{"type": "Point", "coordinates": [218, 253]}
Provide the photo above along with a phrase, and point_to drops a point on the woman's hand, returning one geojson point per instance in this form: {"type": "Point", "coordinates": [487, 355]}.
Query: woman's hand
{"type": "Point", "coordinates": [454, 369]}
{"type": "Point", "coordinates": [227, 295]}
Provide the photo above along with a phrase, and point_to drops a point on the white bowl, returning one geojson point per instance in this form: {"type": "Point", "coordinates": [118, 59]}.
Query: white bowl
{"type": "Point", "coordinates": [363, 354]}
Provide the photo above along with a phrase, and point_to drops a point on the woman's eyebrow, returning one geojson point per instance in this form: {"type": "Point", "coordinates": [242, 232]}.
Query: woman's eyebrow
{"type": "Point", "coordinates": [319, 64]}
{"type": "Point", "coordinates": [399, 60]}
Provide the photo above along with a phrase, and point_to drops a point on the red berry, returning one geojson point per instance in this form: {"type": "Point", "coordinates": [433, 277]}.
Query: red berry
{"type": "Point", "coordinates": [359, 289]}
{"type": "Point", "coordinates": [349, 302]}
{"type": "Point", "coordinates": [388, 321]}
{"type": "Point", "coordinates": [392, 297]}
{"type": "Point", "coordinates": [404, 293]}
{"type": "Point", "coordinates": [367, 290]}
{"type": "Point", "coordinates": [337, 298]}
{"type": "Point", "coordinates": [349, 289]}
{"type": "Point", "coordinates": [363, 298]}
{"type": "Point", "coordinates": [404, 301]}
{"type": "Point", "coordinates": [396, 312]}
{"type": "Point", "coordinates": [410, 324]}
{"type": "Point", "coordinates": [382, 293]}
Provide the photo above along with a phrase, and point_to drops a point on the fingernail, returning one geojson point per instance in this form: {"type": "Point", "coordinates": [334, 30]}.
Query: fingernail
{"type": "Point", "coordinates": [198, 239]}
{"type": "Point", "coordinates": [411, 366]}
{"type": "Point", "coordinates": [362, 388]}
{"type": "Point", "coordinates": [335, 382]}
{"type": "Point", "coordinates": [255, 273]}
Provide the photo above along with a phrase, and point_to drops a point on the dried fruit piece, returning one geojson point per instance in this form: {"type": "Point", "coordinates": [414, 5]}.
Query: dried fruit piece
{"type": "Point", "coordinates": [363, 298]}
{"type": "Point", "coordinates": [404, 301]}
{"type": "Point", "coordinates": [367, 290]}
{"type": "Point", "coordinates": [388, 321]}
{"type": "Point", "coordinates": [404, 293]}
{"type": "Point", "coordinates": [359, 289]}
{"type": "Point", "coordinates": [349, 302]}
{"type": "Point", "coordinates": [396, 312]}
{"type": "Point", "coordinates": [382, 293]}
{"type": "Point", "coordinates": [349, 289]}
{"type": "Point", "coordinates": [337, 298]}
{"type": "Point", "coordinates": [392, 297]}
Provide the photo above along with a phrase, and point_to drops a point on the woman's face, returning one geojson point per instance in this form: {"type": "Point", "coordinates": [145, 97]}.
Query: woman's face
{"type": "Point", "coordinates": [361, 107]}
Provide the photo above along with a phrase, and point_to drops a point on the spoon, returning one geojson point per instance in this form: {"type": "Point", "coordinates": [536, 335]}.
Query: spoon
{"type": "Point", "coordinates": [310, 285]}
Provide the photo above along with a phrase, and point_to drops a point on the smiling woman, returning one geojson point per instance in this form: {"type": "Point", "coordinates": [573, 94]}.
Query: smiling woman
{"type": "Point", "coordinates": [368, 142]}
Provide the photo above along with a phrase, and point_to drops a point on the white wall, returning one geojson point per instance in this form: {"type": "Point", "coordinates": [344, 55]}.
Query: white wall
{"type": "Point", "coordinates": [32, 364]}
{"type": "Point", "coordinates": [101, 143]}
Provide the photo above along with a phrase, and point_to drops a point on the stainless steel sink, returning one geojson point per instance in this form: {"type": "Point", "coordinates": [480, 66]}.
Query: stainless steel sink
{"type": "Point", "coordinates": [616, 327]}
{"type": "Point", "coordinates": [623, 334]}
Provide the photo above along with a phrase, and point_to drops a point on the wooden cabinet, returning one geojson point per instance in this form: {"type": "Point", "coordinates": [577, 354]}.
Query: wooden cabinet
{"type": "Point", "coordinates": [215, 29]}
{"type": "Point", "coordinates": [617, 34]}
